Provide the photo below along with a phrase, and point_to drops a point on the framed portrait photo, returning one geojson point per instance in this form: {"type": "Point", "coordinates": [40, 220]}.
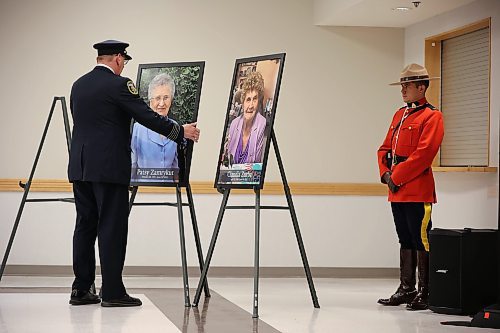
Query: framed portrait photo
{"type": "Point", "coordinates": [172, 90]}
{"type": "Point", "coordinates": [249, 120]}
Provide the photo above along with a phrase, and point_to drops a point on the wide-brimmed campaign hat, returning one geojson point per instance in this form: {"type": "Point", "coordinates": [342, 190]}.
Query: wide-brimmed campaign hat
{"type": "Point", "coordinates": [412, 73]}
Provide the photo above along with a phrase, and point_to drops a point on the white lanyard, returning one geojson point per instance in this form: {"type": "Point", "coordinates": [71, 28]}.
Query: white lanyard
{"type": "Point", "coordinates": [405, 115]}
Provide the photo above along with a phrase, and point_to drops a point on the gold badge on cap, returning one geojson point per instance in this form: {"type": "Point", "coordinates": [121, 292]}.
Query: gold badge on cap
{"type": "Point", "coordinates": [131, 87]}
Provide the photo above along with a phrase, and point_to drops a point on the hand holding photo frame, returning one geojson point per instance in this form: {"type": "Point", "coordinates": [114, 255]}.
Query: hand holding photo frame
{"type": "Point", "coordinates": [249, 121]}
{"type": "Point", "coordinates": [172, 90]}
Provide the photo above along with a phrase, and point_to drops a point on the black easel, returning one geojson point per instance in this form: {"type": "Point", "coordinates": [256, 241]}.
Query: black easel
{"type": "Point", "coordinates": [257, 208]}
{"type": "Point", "coordinates": [179, 204]}
{"type": "Point", "coordinates": [26, 186]}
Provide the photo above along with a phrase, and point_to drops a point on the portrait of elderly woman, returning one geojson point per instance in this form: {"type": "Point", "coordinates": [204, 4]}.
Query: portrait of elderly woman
{"type": "Point", "coordinates": [245, 140]}
{"type": "Point", "coordinates": [150, 149]}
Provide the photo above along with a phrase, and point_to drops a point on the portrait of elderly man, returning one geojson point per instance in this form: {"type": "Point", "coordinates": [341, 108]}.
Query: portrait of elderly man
{"type": "Point", "coordinates": [245, 141]}
{"type": "Point", "coordinates": [150, 149]}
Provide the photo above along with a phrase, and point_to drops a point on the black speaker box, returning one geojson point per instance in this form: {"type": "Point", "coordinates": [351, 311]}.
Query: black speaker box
{"type": "Point", "coordinates": [463, 270]}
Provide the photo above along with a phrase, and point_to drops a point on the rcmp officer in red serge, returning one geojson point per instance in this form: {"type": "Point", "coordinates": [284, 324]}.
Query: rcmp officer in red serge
{"type": "Point", "coordinates": [102, 104]}
{"type": "Point", "coordinates": [405, 160]}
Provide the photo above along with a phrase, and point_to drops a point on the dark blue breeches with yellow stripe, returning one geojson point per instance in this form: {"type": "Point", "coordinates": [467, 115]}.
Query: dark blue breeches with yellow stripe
{"type": "Point", "coordinates": [413, 223]}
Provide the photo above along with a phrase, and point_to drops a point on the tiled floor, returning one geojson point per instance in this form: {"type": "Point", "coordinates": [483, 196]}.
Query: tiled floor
{"type": "Point", "coordinates": [35, 304]}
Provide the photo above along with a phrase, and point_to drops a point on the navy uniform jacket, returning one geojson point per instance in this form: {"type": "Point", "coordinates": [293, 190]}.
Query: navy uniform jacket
{"type": "Point", "coordinates": [102, 105]}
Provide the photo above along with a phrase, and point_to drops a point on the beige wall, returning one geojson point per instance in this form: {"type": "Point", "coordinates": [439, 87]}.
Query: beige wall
{"type": "Point", "coordinates": [327, 109]}
{"type": "Point", "coordinates": [465, 199]}
{"type": "Point", "coordinates": [333, 112]}
{"type": "Point", "coordinates": [474, 12]}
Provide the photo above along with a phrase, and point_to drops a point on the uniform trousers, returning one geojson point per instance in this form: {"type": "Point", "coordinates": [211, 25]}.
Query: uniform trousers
{"type": "Point", "coordinates": [413, 223]}
{"type": "Point", "coordinates": [102, 212]}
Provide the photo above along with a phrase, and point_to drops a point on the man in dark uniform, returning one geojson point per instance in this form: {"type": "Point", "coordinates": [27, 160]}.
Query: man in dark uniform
{"type": "Point", "coordinates": [405, 160]}
{"type": "Point", "coordinates": [103, 104]}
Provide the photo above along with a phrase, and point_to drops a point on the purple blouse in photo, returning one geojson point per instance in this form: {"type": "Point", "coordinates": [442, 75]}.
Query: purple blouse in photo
{"type": "Point", "coordinates": [241, 155]}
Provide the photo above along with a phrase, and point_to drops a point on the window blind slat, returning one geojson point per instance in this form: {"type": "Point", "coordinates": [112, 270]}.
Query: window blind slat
{"type": "Point", "coordinates": [465, 99]}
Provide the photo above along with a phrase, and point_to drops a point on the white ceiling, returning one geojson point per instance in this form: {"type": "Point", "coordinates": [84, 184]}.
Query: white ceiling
{"type": "Point", "coordinates": [379, 13]}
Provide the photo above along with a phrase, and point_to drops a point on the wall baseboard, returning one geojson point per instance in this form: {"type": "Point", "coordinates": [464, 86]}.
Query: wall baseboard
{"type": "Point", "coordinates": [219, 272]}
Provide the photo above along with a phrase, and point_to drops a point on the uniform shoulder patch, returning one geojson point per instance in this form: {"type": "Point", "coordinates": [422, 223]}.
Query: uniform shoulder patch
{"type": "Point", "coordinates": [131, 87]}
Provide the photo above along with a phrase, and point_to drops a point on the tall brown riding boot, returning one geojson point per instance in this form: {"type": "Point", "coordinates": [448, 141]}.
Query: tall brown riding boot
{"type": "Point", "coordinates": [406, 291]}
{"type": "Point", "coordinates": [421, 301]}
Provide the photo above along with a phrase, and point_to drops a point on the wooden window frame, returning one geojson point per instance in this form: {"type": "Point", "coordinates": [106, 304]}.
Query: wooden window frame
{"type": "Point", "coordinates": [433, 65]}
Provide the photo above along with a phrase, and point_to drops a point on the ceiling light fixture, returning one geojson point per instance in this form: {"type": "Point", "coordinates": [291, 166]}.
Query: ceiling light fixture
{"type": "Point", "coordinates": [402, 9]}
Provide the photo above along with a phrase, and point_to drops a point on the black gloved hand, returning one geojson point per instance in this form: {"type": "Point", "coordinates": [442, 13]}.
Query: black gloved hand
{"type": "Point", "coordinates": [385, 177]}
{"type": "Point", "coordinates": [392, 187]}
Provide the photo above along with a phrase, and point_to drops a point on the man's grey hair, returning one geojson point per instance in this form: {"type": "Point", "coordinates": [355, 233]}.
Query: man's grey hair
{"type": "Point", "coordinates": [162, 79]}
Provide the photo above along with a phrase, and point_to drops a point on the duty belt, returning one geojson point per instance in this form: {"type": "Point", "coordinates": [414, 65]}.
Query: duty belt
{"type": "Point", "coordinates": [396, 159]}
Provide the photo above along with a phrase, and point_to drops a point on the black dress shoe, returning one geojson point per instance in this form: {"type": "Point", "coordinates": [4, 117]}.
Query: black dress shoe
{"type": "Point", "coordinates": [398, 298]}
{"type": "Point", "coordinates": [126, 300]}
{"type": "Point", "coordinates": [420, 302]}
{"type": "Point", "coordinates": [80, 297]}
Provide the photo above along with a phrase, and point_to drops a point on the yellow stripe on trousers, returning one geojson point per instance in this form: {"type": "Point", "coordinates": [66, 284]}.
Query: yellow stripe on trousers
{"type": "Point", "coordinates": [425, 224]}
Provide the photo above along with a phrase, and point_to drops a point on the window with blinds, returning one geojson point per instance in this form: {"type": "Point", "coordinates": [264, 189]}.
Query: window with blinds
{"type": "Point", "coordinates": [465, 79]}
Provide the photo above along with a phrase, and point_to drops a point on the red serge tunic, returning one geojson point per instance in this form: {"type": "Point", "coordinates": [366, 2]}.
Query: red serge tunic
{"type": "Point", "coordinates": [415, 133]}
